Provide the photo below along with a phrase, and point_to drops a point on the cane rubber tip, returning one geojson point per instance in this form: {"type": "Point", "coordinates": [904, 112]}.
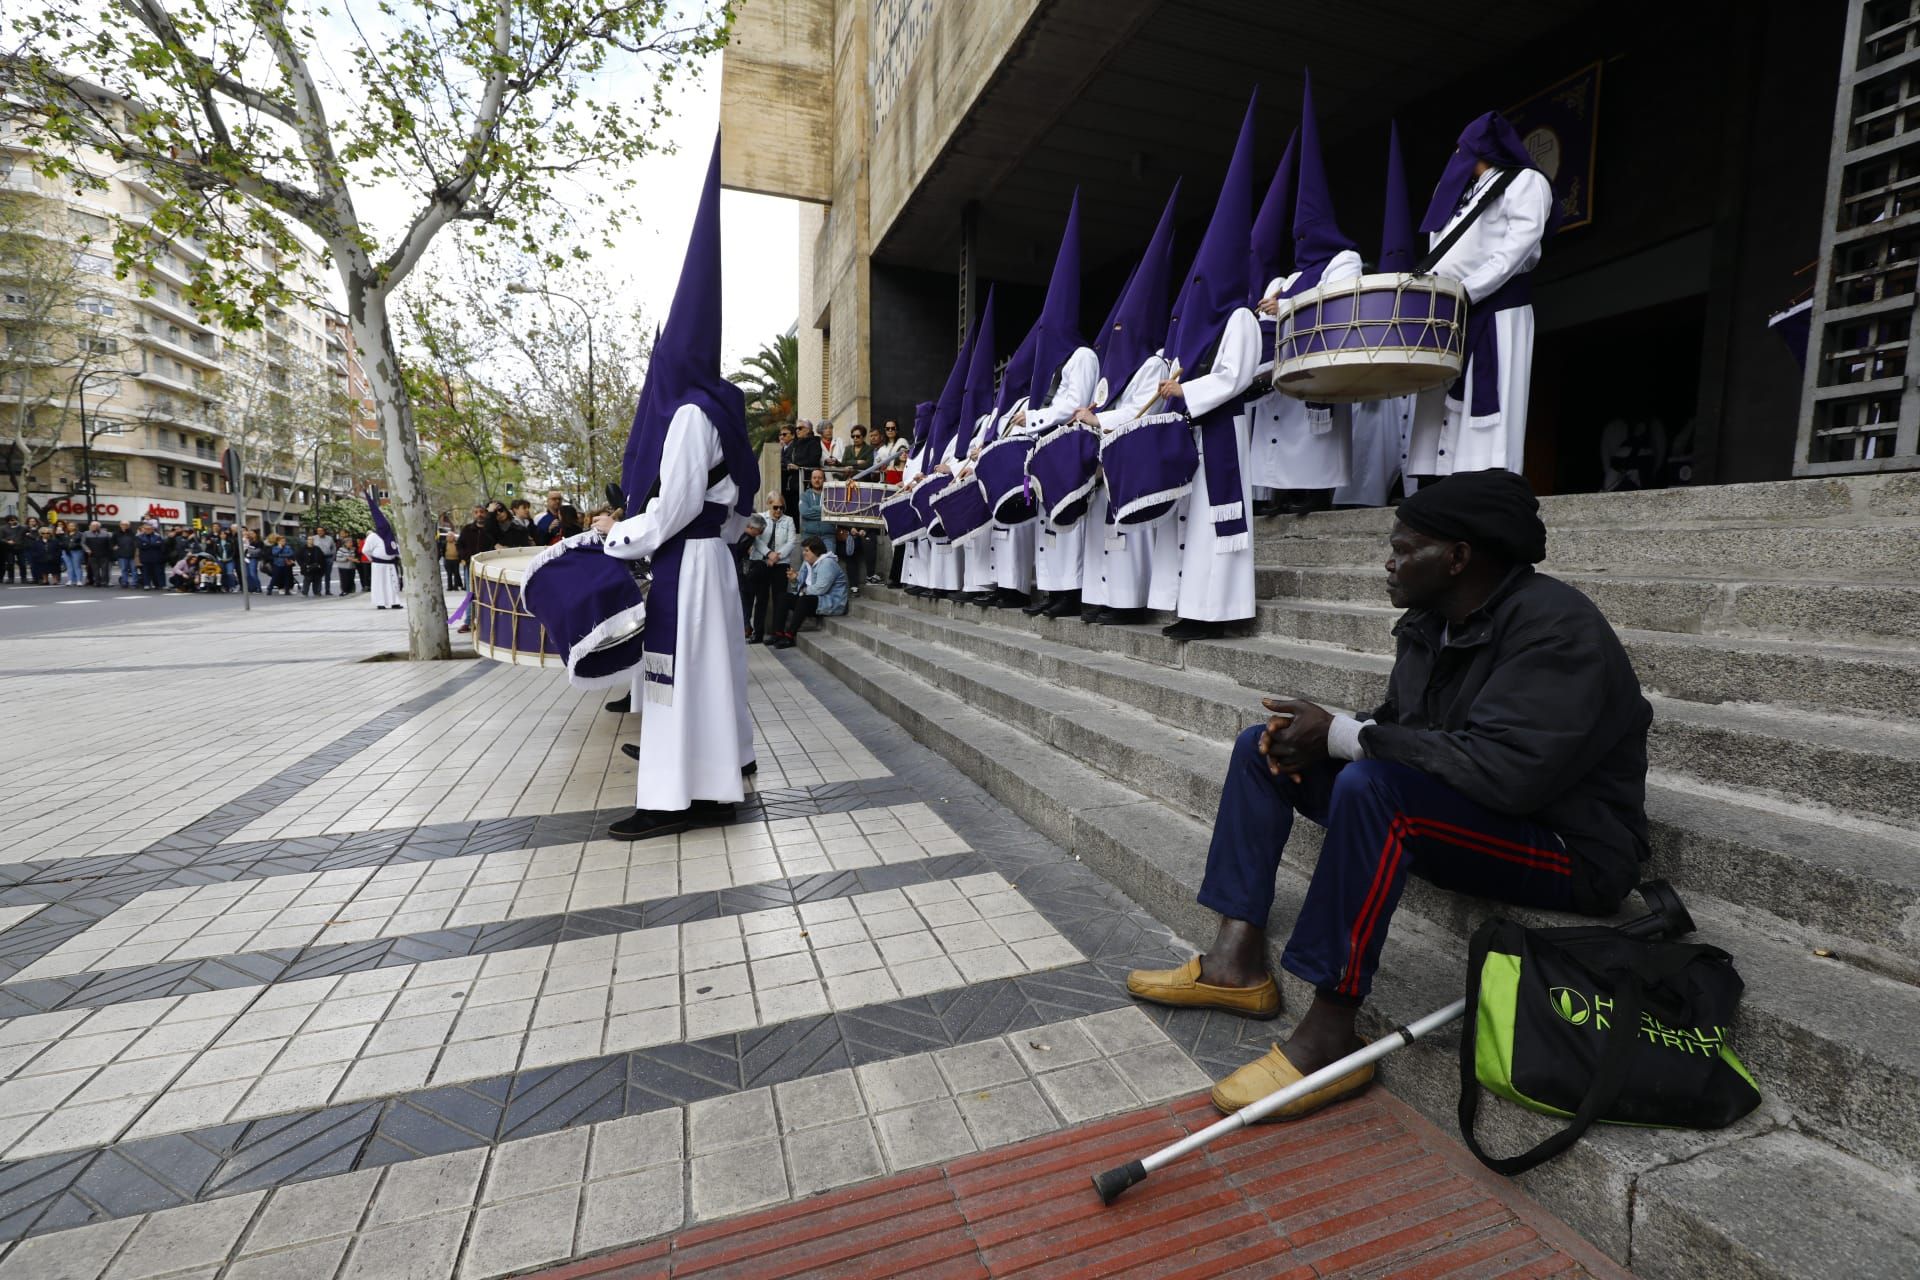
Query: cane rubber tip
{"type": "Point", "coordinates": [1111, 1183]}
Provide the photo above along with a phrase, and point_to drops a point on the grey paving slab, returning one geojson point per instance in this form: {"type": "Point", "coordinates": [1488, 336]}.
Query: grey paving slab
{"type": "Point", "coordinates": [509, 1237]}
{"type": "Point", "coordinates": [632, 1207]}
{"type": "Point", "coordinates": [833, 1155]}
{"type": "Point", "coordinates": [738, 1179]}
{"type": "Point", "coordinates": [423, 1249]}
{"type": "Point", "coordinates": [923, 1134]}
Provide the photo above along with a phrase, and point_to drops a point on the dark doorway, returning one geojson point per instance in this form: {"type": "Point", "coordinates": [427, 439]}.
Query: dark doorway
{"type": "Point", "coordinates": [1612, 404]}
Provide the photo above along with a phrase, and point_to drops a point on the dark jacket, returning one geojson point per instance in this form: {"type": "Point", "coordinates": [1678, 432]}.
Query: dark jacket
{"type": "Point", "coordinates": [806, 455]}
{"type": "Point", "coordinates": [98, 545]}
{"type": "Point", "coordinates": [475, 537]}
{"type": "Point", "coordinates": [1531, 708]}
{"type": "Point", "coordinates": [126, 544]}
{"type": "Point", "coordinates": [153, 548]}
{"type": "Point", "coordinates": [511, 534]}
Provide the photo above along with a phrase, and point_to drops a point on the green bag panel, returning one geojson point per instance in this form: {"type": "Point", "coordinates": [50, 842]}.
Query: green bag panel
{"type": "Point", "coordinates": [1494, 1031]}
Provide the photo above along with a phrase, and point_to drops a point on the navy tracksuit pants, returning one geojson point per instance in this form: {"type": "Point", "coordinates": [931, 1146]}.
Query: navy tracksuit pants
{"type": "Point", "coordinates": [1384, 821]}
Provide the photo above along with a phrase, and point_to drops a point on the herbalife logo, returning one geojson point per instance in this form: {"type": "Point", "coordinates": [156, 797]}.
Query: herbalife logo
{"type": "Point", "coordinates": [1571, 1005]}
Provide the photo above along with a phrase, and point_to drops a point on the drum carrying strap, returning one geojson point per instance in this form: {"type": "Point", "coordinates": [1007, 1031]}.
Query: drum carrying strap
{"type": "Point", "coordinates": [1499, 188]}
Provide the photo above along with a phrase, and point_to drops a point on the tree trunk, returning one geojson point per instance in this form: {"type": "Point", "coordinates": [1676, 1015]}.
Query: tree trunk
{"type": "Point", "coordinates": [410, 510]}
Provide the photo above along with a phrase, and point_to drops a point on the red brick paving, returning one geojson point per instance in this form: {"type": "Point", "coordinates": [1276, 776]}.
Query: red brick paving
{"type": "Point", "coordinates": [1368, 1188]}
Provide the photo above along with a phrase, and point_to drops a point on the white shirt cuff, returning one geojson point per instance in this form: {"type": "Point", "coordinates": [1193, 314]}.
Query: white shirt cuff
{"type": "Point", "coordinates": [1343, 738]}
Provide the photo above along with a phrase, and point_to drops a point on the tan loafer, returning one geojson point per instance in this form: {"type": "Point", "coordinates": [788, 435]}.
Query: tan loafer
{"type": "Point", "coordinates": [1272, 1072]}
{"type": "Point", "coordinates": [1183, 989]}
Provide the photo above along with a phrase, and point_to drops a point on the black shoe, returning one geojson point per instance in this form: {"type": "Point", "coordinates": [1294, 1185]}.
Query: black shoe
{"type": "Point", "coordinates": [750, 768]}
{"type": "Point", "coordinates": [711, 813]}
{"type": "Point", "coordinates": [1266, 507]}
{"type": "Point", "coordinates": [621, 705]}
{"type": "Point", "coordinates": [756, 639]}
{"type": "Point", "coordinates": [631, 750]}
{"type": "Point", "coordinates": [1193, 629]}
{"type": "Point", "coordinates": [1093, 615]}
{"type": "Point", "coordinates": [916, 592]}
{"type": "Point", "coordinates": [1038, 605]}
{"type": "Point", "coordinates": [1124, 617]}
{"type": "Point", "coordinates": [643, 824]}
{"type": "Point", "coordinates": [1008, 598]}
{"type": "Point", "coordinates": [784, 642]}
{"type": "Point", "coordinates": [1065, 604]}
{"type": "Point", "coordinates": [1307, 501]}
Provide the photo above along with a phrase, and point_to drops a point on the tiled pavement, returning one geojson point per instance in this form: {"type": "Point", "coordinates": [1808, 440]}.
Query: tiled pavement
{"type": "Point", "coordinates": [375, 1000]}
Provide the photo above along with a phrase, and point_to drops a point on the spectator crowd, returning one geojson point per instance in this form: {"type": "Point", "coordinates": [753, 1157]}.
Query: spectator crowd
{"type": "Point", "coordinates": [153, 557]}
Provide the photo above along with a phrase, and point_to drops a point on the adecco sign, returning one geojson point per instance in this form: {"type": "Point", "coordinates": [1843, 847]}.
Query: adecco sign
{"type": "Point", "coordinates": [107, 507]}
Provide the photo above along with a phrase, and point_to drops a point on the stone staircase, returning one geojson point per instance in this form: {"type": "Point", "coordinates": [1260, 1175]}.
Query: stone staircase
{"type": "Point", "coordinates": [1777, 631]}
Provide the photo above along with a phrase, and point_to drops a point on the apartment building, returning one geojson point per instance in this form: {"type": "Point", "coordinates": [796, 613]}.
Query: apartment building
{"type": "Point", "coordinates": [130, 396]}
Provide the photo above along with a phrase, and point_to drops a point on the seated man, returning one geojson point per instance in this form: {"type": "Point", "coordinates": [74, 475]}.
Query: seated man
{"type": "Point", "coordinates": [1509, 760]}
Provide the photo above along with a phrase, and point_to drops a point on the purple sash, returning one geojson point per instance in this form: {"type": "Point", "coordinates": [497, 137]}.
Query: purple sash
{"type": "Point", "coordinates": [1483, 347]}
{"type": "Point", "coordinates": [1063, 467]}
{"type": "Point", "coordinates": [931, 488]}
{"type": "Point", "coordinates": [660, 635]}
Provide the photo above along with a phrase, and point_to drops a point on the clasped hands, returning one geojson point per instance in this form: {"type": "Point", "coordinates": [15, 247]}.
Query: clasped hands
{"type": "Point", "coordinates": [1295, 738]}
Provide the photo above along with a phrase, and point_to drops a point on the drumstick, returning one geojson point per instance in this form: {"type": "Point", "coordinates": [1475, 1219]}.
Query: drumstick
{"type": "Point", "coordinates": [1173, 374]}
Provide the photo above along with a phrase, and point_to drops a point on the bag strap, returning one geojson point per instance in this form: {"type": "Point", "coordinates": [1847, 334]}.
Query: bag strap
{"type": "Point", "coordinates": [1426, 265]}
{"type": "Point", "coordinates": [1609, 1075]}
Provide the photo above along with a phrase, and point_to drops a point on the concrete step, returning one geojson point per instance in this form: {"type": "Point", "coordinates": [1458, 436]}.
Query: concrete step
{"type": "Point", "coordinates": [1839, 552]}
{"type": "Point", "coordinates": [1609, 1187]}
{"type": "Point", "coordinates": [1817, 675]}
{"type": "Point", "coordinates": [1833, 500]}
{"type": "Point", "coordinates": [1866, 767]}
{"type": "Point", "coordinates": [1805, 609]}
{"type": "Point", "coordinates": [1856, 883]}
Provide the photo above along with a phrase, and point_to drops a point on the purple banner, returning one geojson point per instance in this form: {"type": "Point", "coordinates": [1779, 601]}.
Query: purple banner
{"type": "Point", "coordinates": [1560, 127]}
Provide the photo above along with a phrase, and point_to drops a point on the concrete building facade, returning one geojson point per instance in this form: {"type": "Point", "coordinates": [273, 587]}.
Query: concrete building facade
{"type": "Point", "coordinates": [119, 397]}
{"type": "Point", "coordinates": [939, 142]}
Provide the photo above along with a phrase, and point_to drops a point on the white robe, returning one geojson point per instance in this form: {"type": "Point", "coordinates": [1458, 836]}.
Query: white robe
{"type": "Point", "coordinates": [1502, 244]}
{"type": "Point", "coordinates": [1216, 583]}
{"type": "Point", "coordinates": [1013, 545]}
{"type": "Point", "coordinates": [692, 747]}
{"type": "Point", "coordinates": [1381, 431]}
{"type": "Point", "coordinates": [913, 569]}
{"type": "Point", "coordinates": [1293, 446]}
{"type": "Point", "coordinates": [976, 568]}
{"type": "Point", "coordinates": [1060, 557]}
{"type": "Point", "coordinates": [386, 577]}
{"type": "Point", "coordinates": [1119, 575]}
{"type": "Point", "coordinates": [943, 559]}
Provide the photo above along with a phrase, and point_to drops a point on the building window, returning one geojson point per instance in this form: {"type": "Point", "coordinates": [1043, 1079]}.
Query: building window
{"type": "Point", "coordinates": [97, 264]}
{"type": "Point", "coordinates": [15, 299]}
{"type": "Point", "coordinates": [107, 427]}
{"type": "Point", "coordinates": [165, 473]}
{"type": "Point", "coordinates": [100, 346]}
{"type": "Point", "coordinates": [109, 469]}
{"type": "Point", "coordinates": [207, 481]}
{"type": "Point", "coordinates": [92, 226]}
{"type": "Point", "coordinates": [187, 479]}
{"type": "Point", "coordinates": [95, 306]}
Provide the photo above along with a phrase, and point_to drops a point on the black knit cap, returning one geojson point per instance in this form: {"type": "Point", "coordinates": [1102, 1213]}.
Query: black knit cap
{"type": "Point", "coordinates": [1492, 511]}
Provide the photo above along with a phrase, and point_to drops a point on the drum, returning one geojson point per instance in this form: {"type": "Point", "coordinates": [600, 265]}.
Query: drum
{"type": "Point", "coordinates": [589, 607]}
{"type": "Point", "coordinates": [503, 628]}
{"type": "Point", "coordinates": [1002, 471]}
{"type": "Point", "coordinates": [1063, 467]}
{"type": "Point", "coordinates": [856, 504]}
{"type": "Point", "coordinates": [963, 508]}
{"type": "Point", "coordinates": [1371, 338]}
{"type": "Point", "coordinates": [903, 521]}
{"type": "Point", "coordinates": [1149, 464]}
{"type": "Point", "coordinates": [929, 489]}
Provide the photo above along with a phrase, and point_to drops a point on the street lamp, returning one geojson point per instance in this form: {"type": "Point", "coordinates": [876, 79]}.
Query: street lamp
{"type": "Point", "coordinates": [592, 385]}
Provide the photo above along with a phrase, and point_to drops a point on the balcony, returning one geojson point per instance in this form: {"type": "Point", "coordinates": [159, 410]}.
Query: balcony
{"type": "Point", "coordinates": [168, 382]}
{"type": "Point", "coordinates": [178, 312]}
{"type": "Point", "coordinates": [203, 351]}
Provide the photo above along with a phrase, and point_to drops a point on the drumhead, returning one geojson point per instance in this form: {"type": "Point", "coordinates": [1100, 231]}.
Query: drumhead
{"type": "Point", "coordinates": [508, 564]}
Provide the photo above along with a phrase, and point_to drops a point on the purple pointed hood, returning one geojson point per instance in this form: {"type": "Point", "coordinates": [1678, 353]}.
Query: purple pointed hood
{"type": "Point", "coordinates": [381, 525]}
{"type": "Point", "coordinates": [1018, 373]}
{"type": "Point", "coordinates": [1104, 333]}
{"type": "Point", "coordinates": [1216, 285]}
{"type": "Point", "coordinates": [977, 399]}
{"type": "Point", "coordinates": [1396, 227]}
{"type": "Point", "coordinates": [922, 424]}
{"type": "Point", "coordinates": [684, 367]}
{"type": "Point", "coordinates": [1139, 322]}
{"type": "Point", "coordinates": [1317, 237]}
{"type": "Point", "coordinates": [1059, 323]}
{"type": "Point", "coordinates": [946, 410]}
{"type": "Point", "coordinates": [1489, 138]}
{"type": "Point", "coordinates": [1272, 246]}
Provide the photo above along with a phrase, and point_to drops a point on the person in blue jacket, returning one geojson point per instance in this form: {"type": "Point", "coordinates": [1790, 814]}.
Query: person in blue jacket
{"type": "Point", "coordinates": [820, 589]}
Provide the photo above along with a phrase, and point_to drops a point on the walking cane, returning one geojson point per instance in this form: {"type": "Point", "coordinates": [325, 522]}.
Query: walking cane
{"type": "Point", "coordinates": [1668, 918]}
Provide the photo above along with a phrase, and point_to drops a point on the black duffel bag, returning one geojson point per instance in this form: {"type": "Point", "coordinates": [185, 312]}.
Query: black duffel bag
{"type": "Point", "coordinates": [1591, 1024]}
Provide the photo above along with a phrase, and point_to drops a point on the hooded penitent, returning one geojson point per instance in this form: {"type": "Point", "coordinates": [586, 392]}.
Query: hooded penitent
{"type": "Point", "coordinates": [384, 528]}
{"type": "Point", "coordinates": [1216, 287]}
{"type": "Point", "coordinates": [977, 397]}
{"type": "Point", "coordinates": [1138, 324]}
{"type": "Point", "coordinates": [1059, 323]}
{"type": "Point", "coordinates": [1317, 238]}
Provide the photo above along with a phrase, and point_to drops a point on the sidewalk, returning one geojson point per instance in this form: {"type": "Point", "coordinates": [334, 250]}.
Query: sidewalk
{"type": "Point", "coordinates": [316, 967]}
